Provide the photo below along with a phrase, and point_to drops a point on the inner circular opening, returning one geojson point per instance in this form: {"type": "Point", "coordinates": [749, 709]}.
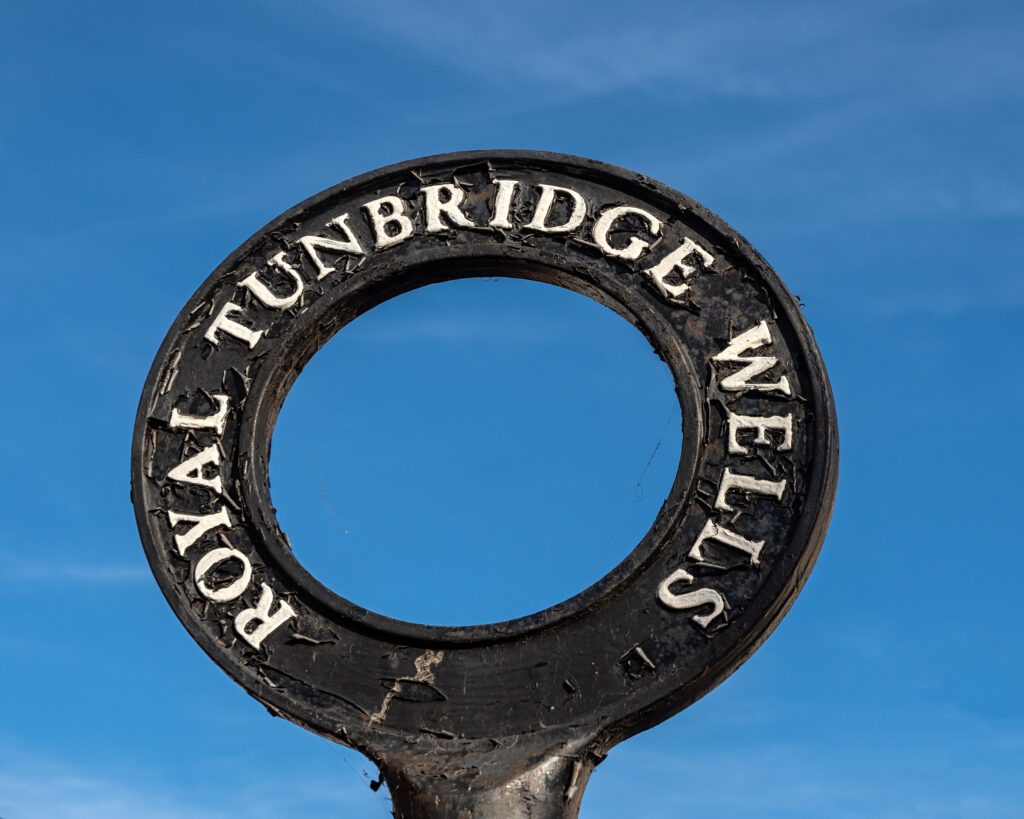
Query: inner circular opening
{"type": "Point", "coordinates": [474, 451]}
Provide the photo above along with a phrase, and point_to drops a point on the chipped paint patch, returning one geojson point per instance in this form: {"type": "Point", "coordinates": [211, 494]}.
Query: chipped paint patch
{"type": "Point", "coordinates": [425, 665]}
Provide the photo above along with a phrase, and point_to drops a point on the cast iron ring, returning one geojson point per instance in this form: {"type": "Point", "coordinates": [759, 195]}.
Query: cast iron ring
{"type": "Point", "coordinates": [666, 625]}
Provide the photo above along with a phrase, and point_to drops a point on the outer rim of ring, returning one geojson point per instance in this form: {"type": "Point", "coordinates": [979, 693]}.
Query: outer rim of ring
{"type": "Point", "coordinates": [809, 530]}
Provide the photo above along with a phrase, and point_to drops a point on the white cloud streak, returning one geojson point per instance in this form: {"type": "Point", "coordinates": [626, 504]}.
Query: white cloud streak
{"type": "Point", "coordinates": [32, 787]}
{"type": "Point", "coordinates": [32, 790]}
{"type": "Point", "coordinates": [772, 778]}
{"type": "Point", "coordinates": [16, 568]}
{"type": "Point", "coordinates": [742, 49]}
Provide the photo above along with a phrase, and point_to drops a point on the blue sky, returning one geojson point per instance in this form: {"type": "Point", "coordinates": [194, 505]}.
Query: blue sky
{"type": "Point", "coordinates": [871, 152]}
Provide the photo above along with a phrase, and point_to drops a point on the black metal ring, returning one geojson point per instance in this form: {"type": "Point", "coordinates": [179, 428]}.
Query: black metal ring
{"type": "Point", "coordinates": [726, 556]}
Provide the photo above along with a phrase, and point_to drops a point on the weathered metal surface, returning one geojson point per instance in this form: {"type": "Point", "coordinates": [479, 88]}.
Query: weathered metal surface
{"type": "Point", "coordinates": [506, 719]}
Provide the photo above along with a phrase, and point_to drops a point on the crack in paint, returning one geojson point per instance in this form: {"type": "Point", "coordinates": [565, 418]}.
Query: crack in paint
{"type": "Point", "coordinates": [425, 665]}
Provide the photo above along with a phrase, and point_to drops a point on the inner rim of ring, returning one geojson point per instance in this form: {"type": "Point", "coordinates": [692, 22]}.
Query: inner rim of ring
{"type": "Point", "coordinates": [327, 316]}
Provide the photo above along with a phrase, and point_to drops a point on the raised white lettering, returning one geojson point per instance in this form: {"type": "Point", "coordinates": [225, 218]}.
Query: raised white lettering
{"type": "Point", "coordinates": [394, 216]}
{"type": "Point", "coordinates": [201, 524]}
{"type": "Point", "coordinates": [266, 295]}
{"type": "Point", "coordinates": [745, 483]}
{"type": "Point", "coordinates": [691, 599]}
{"type": "Point", "coordinates": [215, 421]}
{"type": "Point", "coordinates": [450, 207]}
{"type": "Point", "coordinates": [712, 531]}
{"type": "Point", "coordinates": [191, 470]}
{"type": "Point", "coordinates": [313, 243]}
{"type": "Point", "coordinates": [762, 424]}
{"type": "Point", "coordinates": [230, 592]}
{"type": "Point", "coordinates": [756, 336]}
{"type": "Point", "coordinates": [267, 622]}
{"type": "Point", "coordinates": [636, 246]}
{"type": "Point", "coordinates": [547, 199]}
{"type": "Point", "coordinates": [675, 262]}
{"type": "Point", "coordinates": [503, 203]}
{"type": "Point", "coordinates": [231, 327]}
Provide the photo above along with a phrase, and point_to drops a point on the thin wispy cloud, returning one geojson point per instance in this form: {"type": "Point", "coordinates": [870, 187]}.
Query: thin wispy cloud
{"type": "Point", "coordinates": [809, 64]}
{"type": "Point", "coordinates": [762, 51]}
{"type": "Point", "coordinates": [16, 568]}
{"type": "Point", "coordinates": [32, 787]}
{"type": "Point", "coordinates": [772, 778]}
{"type": "Point", "coordinates": [568, 52]}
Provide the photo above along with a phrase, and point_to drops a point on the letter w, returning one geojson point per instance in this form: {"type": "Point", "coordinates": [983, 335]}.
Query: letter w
{"type": "Point", "coordinates": [753, 338]}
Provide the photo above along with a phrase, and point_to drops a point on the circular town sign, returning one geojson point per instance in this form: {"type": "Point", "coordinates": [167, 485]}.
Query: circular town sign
{"type": "Point", "coordinates": [506, 719]}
